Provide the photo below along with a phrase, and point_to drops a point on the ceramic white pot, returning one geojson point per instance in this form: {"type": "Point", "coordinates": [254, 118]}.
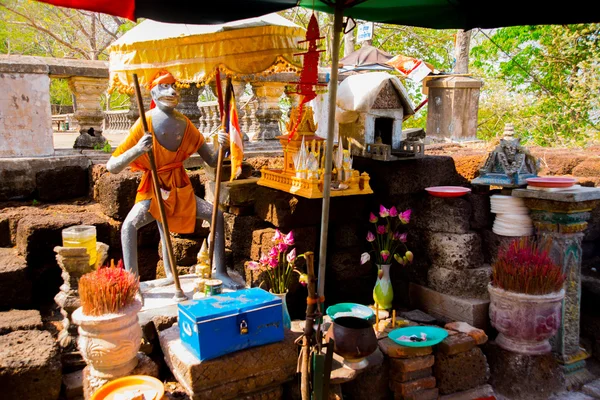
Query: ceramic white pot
{"type": "Point", "coordinates": [525, 322]}
{"type": "Point", "coordinates": [109, 343]}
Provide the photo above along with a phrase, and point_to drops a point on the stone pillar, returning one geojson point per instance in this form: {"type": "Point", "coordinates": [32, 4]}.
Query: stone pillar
{"type": "Point", "coordinates": [452, 107]}
{"type": "Point", "coordinates": [74, 262]}
{"type": "Point", "coordinates": [26, 117]}
{"type": "Point", "coordinates": [88, 112]}
{"type": "Point", "coordinates": [188, 103]}
{"type": "Point", "coordinates": [561, 217]}
{"type": "Point", "coordinates": [268, 112]}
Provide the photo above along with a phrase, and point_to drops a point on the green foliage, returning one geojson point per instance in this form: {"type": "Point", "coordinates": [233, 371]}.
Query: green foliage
{"type": "Point", "coordinates": [544, 80]}
{"type": "Point", "coordinates": [35, 203]}
{"type": "Point", "coordinates": [60, 92]}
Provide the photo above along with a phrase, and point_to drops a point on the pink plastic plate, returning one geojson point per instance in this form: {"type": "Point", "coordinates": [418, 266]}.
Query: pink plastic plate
{"type": "Point", "coordinates": [551, 181]}
{"type": "Point", "coordinates": [447, 191]}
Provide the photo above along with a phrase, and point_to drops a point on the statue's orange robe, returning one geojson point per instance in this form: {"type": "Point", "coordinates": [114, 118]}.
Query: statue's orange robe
{"type": "Point", "coordinates": [180, 203]}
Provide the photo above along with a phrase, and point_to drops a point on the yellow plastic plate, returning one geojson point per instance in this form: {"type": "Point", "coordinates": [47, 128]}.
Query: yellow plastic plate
{"type": "Point", "coordinates": [131, 383]}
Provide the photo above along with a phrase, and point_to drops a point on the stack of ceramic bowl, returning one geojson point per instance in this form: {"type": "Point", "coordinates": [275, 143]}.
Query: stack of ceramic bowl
{"type": "Point", "coordinates": [512, 217]}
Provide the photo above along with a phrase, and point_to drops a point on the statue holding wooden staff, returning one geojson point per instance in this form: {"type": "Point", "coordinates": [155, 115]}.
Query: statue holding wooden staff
{"type": "Point", "coordinates": [170, 139]}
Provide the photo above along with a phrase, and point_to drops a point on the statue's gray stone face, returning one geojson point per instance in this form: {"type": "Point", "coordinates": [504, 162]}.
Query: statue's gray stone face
{"type": "Point", "coordinates": [165, 96]}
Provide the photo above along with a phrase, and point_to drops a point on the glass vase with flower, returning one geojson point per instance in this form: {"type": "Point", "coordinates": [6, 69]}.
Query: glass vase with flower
{"type": "Point", "coordinates": [388, 242]}
{"type": "Point", "coordinates": [279, 266]}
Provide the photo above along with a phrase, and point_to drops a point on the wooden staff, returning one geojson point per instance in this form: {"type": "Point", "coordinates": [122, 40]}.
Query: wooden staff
{"type": "Point", "coordinates": [311, 306]}
{"type": "Point", "coordinates": [221, 155]}
{"type": "Point", "coordinates": [179, 294]}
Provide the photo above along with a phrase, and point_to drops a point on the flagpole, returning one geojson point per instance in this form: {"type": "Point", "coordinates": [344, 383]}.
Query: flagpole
{"type": "Point", "coordinates": [333, 84]}
{"type": "Point", "coordinates": [217, 192]}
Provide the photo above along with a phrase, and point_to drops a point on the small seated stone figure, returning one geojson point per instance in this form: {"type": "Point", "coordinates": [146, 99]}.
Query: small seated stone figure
{"type": "Point", "coordinates": [175, 139]}
{"type": "Point", "coordinates": [509, 164]}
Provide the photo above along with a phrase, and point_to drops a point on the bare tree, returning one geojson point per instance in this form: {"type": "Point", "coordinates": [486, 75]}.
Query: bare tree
{"type": "Point", "coordinates": [63, 31]}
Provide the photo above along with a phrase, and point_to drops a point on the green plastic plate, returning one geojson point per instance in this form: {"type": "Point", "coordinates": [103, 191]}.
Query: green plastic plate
{"type": "Point", "coordinates": [434, 335]}
{"type": "Point", "coordinates": [351, 310]}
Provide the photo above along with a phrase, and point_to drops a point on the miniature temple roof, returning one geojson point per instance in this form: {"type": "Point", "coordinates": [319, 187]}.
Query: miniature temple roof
{"type": "Point", "coordinates": [359, 93]}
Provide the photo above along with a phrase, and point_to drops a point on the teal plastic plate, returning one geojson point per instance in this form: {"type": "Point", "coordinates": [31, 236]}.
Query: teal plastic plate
{"type": "Point", "coordinates": [434, 335]}
{"type": "Point", "coordinates": [351, 310]}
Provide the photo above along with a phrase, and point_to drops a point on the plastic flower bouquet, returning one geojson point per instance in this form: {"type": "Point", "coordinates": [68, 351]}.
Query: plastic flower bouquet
{"type": "Point", "coordinates": [279, 263]}
{"type": "Point", "coordinates": [387, 239]}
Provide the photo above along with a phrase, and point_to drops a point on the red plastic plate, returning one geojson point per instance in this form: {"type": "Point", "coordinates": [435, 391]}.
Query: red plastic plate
{"type": "Point", "coordinates": [447, 191]}
{"type": "Point", "coordinates": [551, 181]}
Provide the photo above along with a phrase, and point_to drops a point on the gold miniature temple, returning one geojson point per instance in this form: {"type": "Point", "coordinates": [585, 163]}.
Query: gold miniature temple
{"type": "Point", "coordinates": [304, 163]}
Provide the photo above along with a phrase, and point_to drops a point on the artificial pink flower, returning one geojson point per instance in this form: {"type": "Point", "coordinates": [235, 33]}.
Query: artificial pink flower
{"type": "Point", "coordinates": [381, 229]}
{"type": "Point", "coordinates": [291, 257]}
{"type": "Point", "coordinates": [289, 239]}
{"type": "Point", "coordinates": [282, 247]}
{"type": "Point", "coordinates": [373, 218]}
{"type": "Point", "coordinates": [403, 237]}
{"type": "Point", "coordinates": [393, 212]}
{"type": "Point", "coordinates": [264, 259]}
{"type": "Point", "coordinates": [370, 236]}
{"type": "Point", "coordinates": [383, 212]}
{"type": "Point", "coordinates": [385, 255]}
{"type": "Point", "coordinates": [405, 216]}
{"type": "Point", "coordinates": [273, 253]}
{"type": "Point", "coordinates": [278, 237]}
{"type": "Point", "coordinates": [409, 256]}
{"type": "Point", "coordinates": [253, 265]}
{"type": "Point", "coordinates": [273, 263]}
{"type": "Point", "coordinates": [399, 259]}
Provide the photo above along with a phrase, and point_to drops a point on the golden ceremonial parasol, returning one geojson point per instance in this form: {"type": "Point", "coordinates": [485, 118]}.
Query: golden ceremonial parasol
{"type": "Point", "coordinates": [192, 53]}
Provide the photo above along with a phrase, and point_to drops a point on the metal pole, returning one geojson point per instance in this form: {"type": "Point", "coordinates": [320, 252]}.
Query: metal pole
{"type": "Point", "coordinates": [333, 84]}
{"type": "Point", "coordinates": [179, 294]}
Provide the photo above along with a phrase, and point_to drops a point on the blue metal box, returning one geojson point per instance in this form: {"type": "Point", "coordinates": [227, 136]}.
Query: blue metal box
{"type": "Point", "coordinates": [228, 322]}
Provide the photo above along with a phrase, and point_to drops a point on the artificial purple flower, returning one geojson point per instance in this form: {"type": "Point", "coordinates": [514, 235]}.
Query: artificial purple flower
{"type": "Point", "coordinates": [402, 237]}
{"type": "Point", "coordinates": [393, 212]}
{"type": "Point", "coordinates": [405, 216]}
{"type": "Point", "coordinates": [278, 237]}
{"type": "Point", "coordinates": [282, 247]}
{"type": "Point", "coordinates": [383, 212]}
{"type": "Point", "coordinates": [273, 263]}
{"type": "Point", "coordinates": [291, 257]}
{"type": "Point", "coordinates": [370, 236]}
{"type": "Point", "coordinates": [373, 218]}
{"type": "Point", "coordinates": [264, 259]}
{"type": "Point", "coordinates": [289, 239]}
{"type": "Point", "coordinates": [273, 253]}
{"type": "Point", "coordinates": [385, 255]}
{"type": "Point", "coordinates": [381, 229]}
{"type": "Point", "coordinates": [253, 265]}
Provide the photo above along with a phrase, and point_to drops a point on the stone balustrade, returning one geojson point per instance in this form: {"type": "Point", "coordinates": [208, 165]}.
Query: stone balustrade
{"type": "Point", "coordinates": [116, 121]}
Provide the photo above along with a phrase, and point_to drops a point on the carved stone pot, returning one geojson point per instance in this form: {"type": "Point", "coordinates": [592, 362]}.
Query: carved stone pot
{"type": "Point", "coordinates": [525, 322]}
{"type": "Point", "coordinates": [109, 343]}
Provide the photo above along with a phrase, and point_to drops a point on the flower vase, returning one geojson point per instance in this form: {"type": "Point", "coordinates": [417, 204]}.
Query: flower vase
{"type": "Point", "coordinates": [287, 321]}
{"type": "Point", "coordinates": [383, 293]}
